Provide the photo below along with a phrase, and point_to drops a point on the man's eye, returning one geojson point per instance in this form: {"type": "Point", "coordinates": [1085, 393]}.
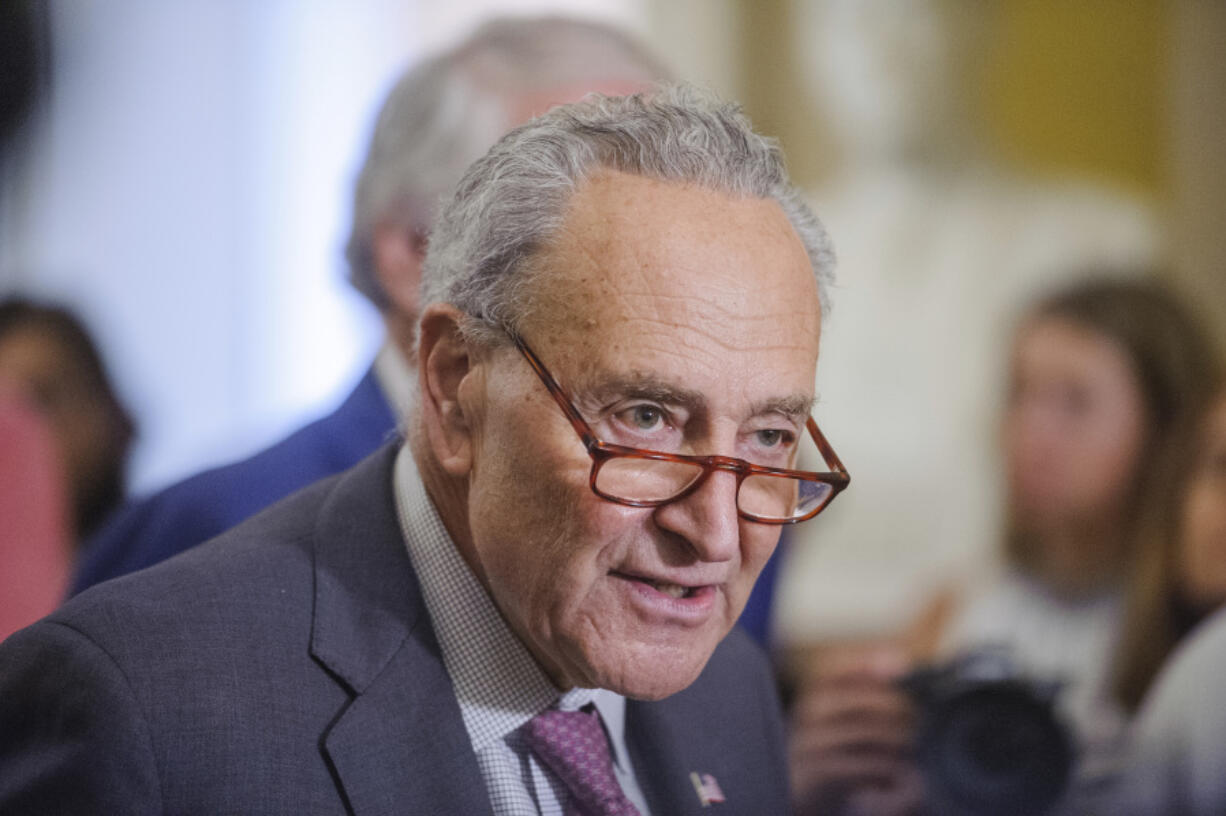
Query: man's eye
{"type": "Point", "coordinates": [771, 437]}
{"type": "Point", "coordinates": [646, 417]}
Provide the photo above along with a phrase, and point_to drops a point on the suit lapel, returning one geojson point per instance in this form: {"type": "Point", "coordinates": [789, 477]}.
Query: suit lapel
{"type": "Point", "coordinates": [660, 770]}
{"type": "Point", "coordinates": [400, 744]}
{"type": "Point", "coordinates": [401, 747]}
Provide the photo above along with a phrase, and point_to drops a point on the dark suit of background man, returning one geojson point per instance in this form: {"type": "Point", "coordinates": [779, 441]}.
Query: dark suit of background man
{"type": "Point", "coordinates": [528, 602]}
{"type": "Point", "coordinates": [439, 118]}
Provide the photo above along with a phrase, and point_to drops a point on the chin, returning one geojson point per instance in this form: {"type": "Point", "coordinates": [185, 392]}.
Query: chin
{"type": "Point", "coordinates": [651, 673]}
{"type": "Point", "coordinates": [655, 686]}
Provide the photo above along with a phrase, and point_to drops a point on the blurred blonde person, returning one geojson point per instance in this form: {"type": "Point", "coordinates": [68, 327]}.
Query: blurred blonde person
{"type": "Point", "coordinates": [1107, 379]}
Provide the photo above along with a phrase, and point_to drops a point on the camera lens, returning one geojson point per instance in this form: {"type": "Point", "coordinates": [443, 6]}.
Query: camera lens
{"type": "Point", "coordinates": [989, 746]}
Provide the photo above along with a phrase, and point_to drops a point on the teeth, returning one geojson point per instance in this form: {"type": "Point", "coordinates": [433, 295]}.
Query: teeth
{"type": "Point", "coordinates": [671, 590]}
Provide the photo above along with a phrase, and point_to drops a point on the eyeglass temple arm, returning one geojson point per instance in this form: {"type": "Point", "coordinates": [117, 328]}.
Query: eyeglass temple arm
{"type": "Point", "coordinates": [823, 447]}
{"type": "Point", "coordinates": [586, 434]}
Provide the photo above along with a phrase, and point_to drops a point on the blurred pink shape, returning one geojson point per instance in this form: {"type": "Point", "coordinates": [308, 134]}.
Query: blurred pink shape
{"type": "Point", "coordinates": [35, 554]}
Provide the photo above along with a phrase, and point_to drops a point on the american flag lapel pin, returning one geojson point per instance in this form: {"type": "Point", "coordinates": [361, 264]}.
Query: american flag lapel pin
{"type": "Point", "coordinates": [707, 788]}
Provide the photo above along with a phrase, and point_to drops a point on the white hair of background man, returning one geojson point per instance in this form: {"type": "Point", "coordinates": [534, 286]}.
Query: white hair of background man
{"type": "Point", "coordinates": [445, 113]}
{"type": "Point", "coordinates": [511, 203]}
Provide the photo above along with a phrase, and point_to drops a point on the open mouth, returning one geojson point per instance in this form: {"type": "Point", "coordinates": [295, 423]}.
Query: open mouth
{"type": "Point", "coordinates": [671, 590]}
{"type": "Point", "coordinates": [675, 591]}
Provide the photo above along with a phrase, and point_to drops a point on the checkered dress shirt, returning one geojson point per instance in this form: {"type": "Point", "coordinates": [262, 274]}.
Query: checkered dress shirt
{"type": "Point", "coordinates": [498, 683]}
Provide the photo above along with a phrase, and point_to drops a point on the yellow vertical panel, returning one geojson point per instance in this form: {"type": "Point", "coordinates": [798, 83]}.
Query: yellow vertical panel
{"type": "Point", "coordinates": [776, 96]}
{"type": "Point", "coordinates": [1078, 86]}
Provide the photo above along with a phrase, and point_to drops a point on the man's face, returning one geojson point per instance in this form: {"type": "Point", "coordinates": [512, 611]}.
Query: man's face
{"type": "Point", "coordinates": [678, 319]}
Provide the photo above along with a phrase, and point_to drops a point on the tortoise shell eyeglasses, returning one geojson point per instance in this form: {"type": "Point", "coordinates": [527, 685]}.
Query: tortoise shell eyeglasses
{"type": "Point", "coordinates": [638, 477]}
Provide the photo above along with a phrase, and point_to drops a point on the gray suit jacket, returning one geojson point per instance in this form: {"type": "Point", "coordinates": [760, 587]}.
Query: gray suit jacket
{"type": "Point", "coordinates": [289, 666]}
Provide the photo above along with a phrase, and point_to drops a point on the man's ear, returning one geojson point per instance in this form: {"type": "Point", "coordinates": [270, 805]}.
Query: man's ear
{"type": "Point", "coordinates": [444, 363]}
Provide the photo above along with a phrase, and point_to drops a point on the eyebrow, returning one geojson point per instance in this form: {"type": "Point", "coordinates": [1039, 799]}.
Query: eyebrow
{"type": "Point", "coordinates": [796, 407]}
{"type": "Point", "coordinates": [643, 386]}
{"type": "Point", "coordinates": [646, 386]}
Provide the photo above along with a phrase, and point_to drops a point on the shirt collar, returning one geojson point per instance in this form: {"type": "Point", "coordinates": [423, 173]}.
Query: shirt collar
{"type": "Point", "coordinates": [612, 708]}
{"type": "Point", "coordinates": [498, 684]}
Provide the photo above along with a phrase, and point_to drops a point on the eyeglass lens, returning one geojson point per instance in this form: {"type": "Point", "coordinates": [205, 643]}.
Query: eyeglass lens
{"type": "Point", "coordinates": [642, 479]}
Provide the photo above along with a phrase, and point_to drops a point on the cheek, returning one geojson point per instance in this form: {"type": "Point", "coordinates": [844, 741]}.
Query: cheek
{"type": "Point", "coordinates": [524, 481]}
{"type": "Point", "coordinates": [1110, 460]}
{"type": "Point", "coordinates": [1103, 458]}
{"type": "Point", "coordinates": [1087, 469]}
{"type": "Point", "coordinates": [758, 542]}
{"type": "Point", "coordinates": [543, 540]}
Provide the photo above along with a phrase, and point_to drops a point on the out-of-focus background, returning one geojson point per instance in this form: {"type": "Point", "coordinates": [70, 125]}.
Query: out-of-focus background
{"type": "Point", "coordinates": [183, 175]}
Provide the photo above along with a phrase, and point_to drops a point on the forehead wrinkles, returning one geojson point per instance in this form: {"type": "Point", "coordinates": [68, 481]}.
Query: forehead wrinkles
{"type": "Point", "coordinates": [729, 271]}
{"type": "Point", "coordinates": [711, 350]}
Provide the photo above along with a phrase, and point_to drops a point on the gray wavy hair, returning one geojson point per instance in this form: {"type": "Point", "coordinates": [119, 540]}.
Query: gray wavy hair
{"type": "Point", "coordinates": [512, 201]}
{"type": "Point", "coordinates": [447, 110]}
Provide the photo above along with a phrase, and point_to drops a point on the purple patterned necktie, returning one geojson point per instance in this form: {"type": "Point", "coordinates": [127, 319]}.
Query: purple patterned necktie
{"type": "Point", "coordinates": [572, 744]}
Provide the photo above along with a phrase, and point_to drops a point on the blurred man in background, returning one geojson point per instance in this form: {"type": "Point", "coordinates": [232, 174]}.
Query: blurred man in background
{"type": "Point", "coordinates": [442, 115]}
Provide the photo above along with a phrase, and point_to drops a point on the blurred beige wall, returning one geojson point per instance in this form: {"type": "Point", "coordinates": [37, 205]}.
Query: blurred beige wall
{"type": "Point", "coordinates": [1123, 93]}
{"type": "Point", "coordinates": [700, 40]}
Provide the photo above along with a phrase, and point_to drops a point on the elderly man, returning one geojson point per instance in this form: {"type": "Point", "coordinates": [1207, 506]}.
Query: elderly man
{"type": "Point", "coordinates": [440, 117]}
{"type": "Point", "coordinates": [525, 608]}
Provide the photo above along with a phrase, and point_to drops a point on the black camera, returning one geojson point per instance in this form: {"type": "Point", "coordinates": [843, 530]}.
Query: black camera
{"type": "Point", "coordinates": [989, 741]}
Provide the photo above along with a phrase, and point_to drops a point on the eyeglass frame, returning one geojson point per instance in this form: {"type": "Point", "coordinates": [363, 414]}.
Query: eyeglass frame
{"type": "Point", "coordinates": [602, 452]}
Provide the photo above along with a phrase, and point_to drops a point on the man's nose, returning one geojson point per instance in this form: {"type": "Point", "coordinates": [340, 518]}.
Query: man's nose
{"type": "Point", "coordinates": [707, 518]}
